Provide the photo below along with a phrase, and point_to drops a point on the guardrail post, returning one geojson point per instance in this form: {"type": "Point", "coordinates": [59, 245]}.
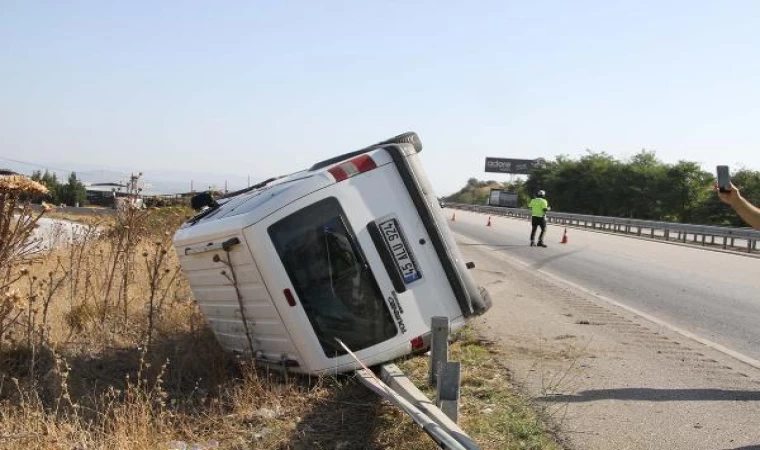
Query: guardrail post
{"type": "Point", "coordinates": [732, 242]}
{"type": "Point", "coordinates": [667, 234]}
{"type": "Point", "coordinates": [447, 397]}
{"type": "Point", "coordinates": [725, 240]}
{"type": "Point", "coordinates": [439, 347]}
{"type": "Point", "coordinates": [712, 240]}
{"type": "Point", "coordinates": [749, 245]}
{"type": "Point", "coordinates": [703, 240]}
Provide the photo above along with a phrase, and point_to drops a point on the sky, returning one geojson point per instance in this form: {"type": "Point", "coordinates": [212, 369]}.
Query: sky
{"type": "Point", "coordinates": [260, 89]}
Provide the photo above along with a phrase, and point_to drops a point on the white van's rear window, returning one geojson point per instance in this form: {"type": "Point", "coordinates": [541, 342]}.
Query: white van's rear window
{"type": "Point", "coordinates": [332, 278]}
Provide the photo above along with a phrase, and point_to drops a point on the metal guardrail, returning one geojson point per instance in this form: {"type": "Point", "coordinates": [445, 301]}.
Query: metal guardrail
{"type": "Point", "coordinates": [439, 419]}
{"type": "Point", "coordinates": [669, 231]}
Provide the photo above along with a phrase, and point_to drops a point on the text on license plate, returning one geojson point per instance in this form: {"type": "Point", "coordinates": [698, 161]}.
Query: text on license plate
{"type": "Point", "coordinates": [401, 254]}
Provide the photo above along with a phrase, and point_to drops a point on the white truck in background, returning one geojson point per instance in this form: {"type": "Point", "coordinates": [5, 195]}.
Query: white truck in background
{"type": "Point", "coordinates": [498, 197]}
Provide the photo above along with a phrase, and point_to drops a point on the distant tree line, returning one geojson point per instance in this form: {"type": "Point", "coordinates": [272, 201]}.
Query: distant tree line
{"type": "Point", "coordinates": [71, 192]}
{"type": "Point", "coordinates": [641, 187]}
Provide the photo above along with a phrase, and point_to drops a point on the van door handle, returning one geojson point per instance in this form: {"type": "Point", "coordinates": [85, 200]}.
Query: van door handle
{"type": "Point", "coordinates": [211, 246]}
{"type": "Point", "coordinates": [386, 257]}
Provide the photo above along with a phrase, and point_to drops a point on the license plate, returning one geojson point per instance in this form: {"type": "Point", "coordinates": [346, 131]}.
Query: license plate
{"type": "Point", "coordinates": [402, 256]}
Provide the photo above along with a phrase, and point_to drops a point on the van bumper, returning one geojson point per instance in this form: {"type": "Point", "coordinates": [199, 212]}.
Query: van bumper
{"type": "Point", "coordinates": [472, 300]}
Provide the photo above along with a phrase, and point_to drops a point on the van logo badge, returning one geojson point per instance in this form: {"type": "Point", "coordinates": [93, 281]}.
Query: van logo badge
{"type": "Point", "coordinates": [397, 311]}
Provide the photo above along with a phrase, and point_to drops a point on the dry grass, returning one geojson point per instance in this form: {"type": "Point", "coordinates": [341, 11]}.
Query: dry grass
{"type": "Point", "coordinates": [102, 347]}
{"type": "Point", "coordinates": [490, 410]}
{"type": "Point", "coordinates": [107, 350]}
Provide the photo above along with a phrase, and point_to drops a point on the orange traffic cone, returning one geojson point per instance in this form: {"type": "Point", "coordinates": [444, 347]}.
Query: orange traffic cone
{"type": "Point", "coordinates": [564, 238]}
{"type": "Point", "coordinates": [489, 221]}
{"type": "Point", "coordinates": [454, 217]}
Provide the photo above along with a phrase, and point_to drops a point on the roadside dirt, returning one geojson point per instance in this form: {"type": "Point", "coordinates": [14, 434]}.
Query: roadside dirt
{"type": "Point", "coordinates": [607, 378]}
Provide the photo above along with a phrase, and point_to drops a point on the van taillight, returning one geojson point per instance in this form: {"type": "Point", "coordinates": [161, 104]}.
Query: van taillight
{"type": "Point", "coordinates": [353, 166]}
{"type": "Point", "coordinates": [417, 343]}
{"type": "Point", "coordinates": [289, 297]}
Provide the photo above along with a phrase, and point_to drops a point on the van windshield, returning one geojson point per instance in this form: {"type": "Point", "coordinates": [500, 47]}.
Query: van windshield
{"type": "Point", "coordinates": [332, 278]}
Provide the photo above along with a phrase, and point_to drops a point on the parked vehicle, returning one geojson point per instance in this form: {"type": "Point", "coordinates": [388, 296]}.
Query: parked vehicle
{"type": "Point", "coordinates": [355, 248]}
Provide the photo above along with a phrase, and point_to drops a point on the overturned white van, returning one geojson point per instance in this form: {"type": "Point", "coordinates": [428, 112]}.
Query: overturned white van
{"type": "Point", "coordinates": [354, 248]}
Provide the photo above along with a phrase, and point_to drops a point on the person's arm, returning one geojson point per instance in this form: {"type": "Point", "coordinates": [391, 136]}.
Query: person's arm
{"type": "Point", "coordinates": [745, 209]}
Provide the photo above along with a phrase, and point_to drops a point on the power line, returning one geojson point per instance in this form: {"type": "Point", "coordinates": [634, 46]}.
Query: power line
{"type": "Point", "coordinates": [58, 169]}
{"type": "Point", "coordinates": [42, 166]}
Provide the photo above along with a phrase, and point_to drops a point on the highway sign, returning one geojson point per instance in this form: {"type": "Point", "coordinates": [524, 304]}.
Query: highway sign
{"type": "Point", "coordinates": [510, 165]}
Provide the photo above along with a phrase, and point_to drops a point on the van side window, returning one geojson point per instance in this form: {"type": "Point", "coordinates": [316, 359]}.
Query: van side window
{"type": "Point", "coordinates": [331, 276]}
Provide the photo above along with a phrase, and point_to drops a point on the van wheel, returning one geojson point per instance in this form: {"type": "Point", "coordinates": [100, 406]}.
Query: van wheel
{"type": "Point", "coordinates": [406, 138]}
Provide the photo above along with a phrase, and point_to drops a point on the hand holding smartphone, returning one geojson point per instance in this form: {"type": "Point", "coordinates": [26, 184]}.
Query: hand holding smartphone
{"type": "Point", "coordinates": [724, 179]}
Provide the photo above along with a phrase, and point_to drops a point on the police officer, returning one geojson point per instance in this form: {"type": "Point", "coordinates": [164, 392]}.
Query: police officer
{"type": "Point", "coordinates": [538, 207]}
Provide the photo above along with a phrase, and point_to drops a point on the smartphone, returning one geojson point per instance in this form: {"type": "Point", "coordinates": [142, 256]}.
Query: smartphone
{"type": "Point", "coordinates": [724, 179]}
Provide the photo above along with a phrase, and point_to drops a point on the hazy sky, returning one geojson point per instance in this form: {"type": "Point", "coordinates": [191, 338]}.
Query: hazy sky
{"type": "Point", "coordinates": [266, 88]}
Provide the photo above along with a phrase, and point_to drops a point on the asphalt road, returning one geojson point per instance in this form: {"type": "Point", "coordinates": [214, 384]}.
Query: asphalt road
{"type": "Point", "coordinates": [713, 295]}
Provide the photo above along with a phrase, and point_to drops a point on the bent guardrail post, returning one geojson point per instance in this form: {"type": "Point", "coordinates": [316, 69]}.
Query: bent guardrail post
{"type": "Point", "coordinates": [402, 385]}
{"type": "Point", "coordinates": [439, 347]}
{"type": "Point", "coordinates": [447, 394]}
{"type": "Point", "coordinates": [442, 436]}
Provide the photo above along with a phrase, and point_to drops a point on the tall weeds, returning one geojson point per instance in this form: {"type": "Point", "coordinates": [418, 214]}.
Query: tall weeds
{"type": "Point", "coordinates": [102, 347]}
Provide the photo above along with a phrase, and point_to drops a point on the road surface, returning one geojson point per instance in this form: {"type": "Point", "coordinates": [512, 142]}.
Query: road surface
{"type": "Point", "coordinates": [713, 295]}
{"type": "Point", "coordinates": [600, 331]}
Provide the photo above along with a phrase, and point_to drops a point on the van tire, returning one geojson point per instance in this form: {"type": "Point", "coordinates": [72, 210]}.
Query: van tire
{"type": "Point", "coordinates": [409, 137]}
{"type": "Point", "coordinates": [405, 138]}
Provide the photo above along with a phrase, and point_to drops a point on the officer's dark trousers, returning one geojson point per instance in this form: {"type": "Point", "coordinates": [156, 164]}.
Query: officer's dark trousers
{"type": "Point", "coordinates": [538, 222]}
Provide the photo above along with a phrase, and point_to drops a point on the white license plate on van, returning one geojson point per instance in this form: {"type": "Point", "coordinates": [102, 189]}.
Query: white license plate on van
{"type": "Point", "coordinates": [402, 256]}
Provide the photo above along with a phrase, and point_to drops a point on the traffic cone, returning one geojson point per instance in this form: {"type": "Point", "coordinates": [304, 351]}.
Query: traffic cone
{"type": "Point", "coordinates": [564, 238]}
{"type": "Point", "coordinates": [454, 217]}
{"type": "Point", "coordinates": [489, 221]}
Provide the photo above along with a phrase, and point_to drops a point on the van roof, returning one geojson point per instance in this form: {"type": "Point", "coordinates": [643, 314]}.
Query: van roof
{"type": "Point", "coordinates": [254, 205]}
{"type": "Point", "coordinates": [285, 189]}
{"type": "Point", "coordinates": [250, 206]}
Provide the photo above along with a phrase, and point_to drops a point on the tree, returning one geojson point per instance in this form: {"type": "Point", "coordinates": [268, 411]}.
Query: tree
{"type": "Point", "coordinates": [73, 192]}
{"type": "Point", "coordinates": [641, 187]}
{"type": "Point", "coordinates": [688, 187]}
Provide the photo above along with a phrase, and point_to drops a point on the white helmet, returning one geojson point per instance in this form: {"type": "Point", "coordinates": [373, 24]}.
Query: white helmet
{"type": "Point", "coordinates": [541, 193]}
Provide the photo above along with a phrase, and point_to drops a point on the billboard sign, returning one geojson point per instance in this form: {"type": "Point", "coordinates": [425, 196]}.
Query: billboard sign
{"type": "Point", "coordinates": [510, 165]}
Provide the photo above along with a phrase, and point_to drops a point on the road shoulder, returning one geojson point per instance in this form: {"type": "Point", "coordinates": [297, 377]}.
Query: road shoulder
{"type": "Point", "coordinates": [608, 378]}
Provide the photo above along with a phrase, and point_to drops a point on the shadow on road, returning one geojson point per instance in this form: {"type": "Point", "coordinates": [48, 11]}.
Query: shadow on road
{"type": "Point", "coordinates": [541, 263]}
{"type": "Point", "coordinates": [656, 395]}
{"type": "Point", "coordinates": [496, 247]}
{"type": "Point", "coordinates": [749, 447]}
